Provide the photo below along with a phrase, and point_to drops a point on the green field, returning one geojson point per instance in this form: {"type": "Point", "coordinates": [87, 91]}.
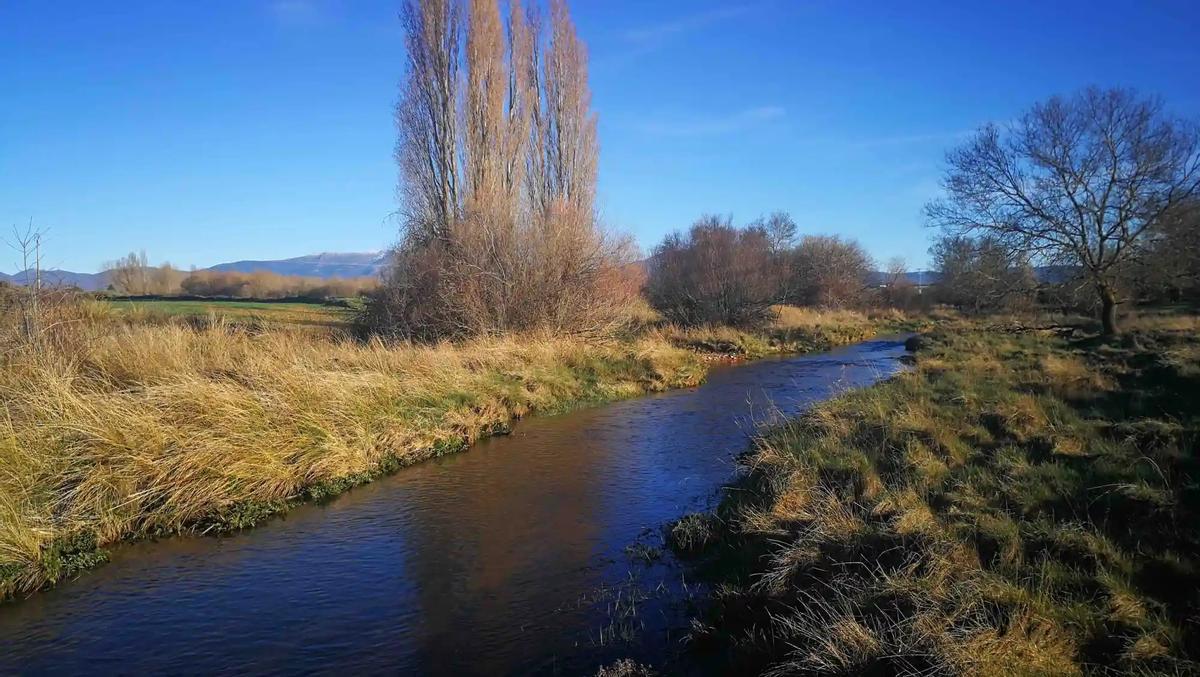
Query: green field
{"type": "Point", "coordinates": [300, 313]}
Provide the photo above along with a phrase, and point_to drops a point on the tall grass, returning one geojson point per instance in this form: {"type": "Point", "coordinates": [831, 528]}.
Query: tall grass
{"type": "Point", "coordinates": [111, 429]}
{"type": "Point", "coordinates": [122, 423]}
{"type": "Point", "coordinates": [1017, 504]}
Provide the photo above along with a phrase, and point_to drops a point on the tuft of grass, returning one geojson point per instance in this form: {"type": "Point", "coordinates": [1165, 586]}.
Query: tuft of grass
{"type": "Point", "coordinates": [626, 667]}
{"type": "Point", "coordinates": [1018, 503]}
{"type": "Point", "coordinates": [691, 533]}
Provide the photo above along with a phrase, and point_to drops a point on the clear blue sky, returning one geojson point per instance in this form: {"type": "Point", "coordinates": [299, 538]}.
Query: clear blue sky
{"type": "Point", "coordinates": [229, 129]}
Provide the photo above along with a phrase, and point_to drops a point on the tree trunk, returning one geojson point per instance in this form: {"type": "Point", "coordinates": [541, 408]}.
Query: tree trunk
{"type": "Point", "coordinates": [1108, 310]}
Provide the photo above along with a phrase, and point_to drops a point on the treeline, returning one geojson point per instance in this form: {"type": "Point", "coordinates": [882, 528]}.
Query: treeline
{"type": "Point", "coordinates": [134, 276]}
{"type": "Point", "coordinates": [984, 274]}
{"type": "Point", "coordinates": [498, 152]}
{"type": "Point", "coordinates": [1103, 184]}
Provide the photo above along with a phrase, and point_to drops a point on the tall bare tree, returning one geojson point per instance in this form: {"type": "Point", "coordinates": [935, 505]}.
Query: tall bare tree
{"type": "Point", "coordinates": [485, 143]}
{"type": "Point", "coordinates": [567, 123]}
{"type": "Point", "coordinates": [522, 94]}
{"type": "Point", "coordinates": [130, 274]}
{"type": "Point", "coordinates": [427, 118]}
{"type": "Point", "coordinates": [500, 228]}
{"type": "Point", "coordinates": [1081, 180]}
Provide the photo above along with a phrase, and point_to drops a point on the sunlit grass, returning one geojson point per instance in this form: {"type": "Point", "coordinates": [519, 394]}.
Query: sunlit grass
{"type": "Point", "coordinates": [1017, 504]}
{"type": "Point", "coordinates": [112, 428]}
{"type": "Point", "coordinates": [793, 330]}
{"type": "Point", "coordinates": [280, 313]}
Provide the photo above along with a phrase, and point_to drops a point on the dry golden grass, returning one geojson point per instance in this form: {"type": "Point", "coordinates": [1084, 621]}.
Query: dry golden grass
{"type": "Point", "coordinates": [111, 429]}
{"type": "Point", "coordinates": [1016, 504]}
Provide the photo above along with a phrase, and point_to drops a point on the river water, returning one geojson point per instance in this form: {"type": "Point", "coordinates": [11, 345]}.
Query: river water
{"type": "Point", "coordinates": [511, 558]}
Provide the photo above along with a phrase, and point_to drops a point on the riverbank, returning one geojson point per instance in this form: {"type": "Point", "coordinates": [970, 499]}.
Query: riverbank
{"type": "Point", "coordinates": [795, 330]}
{"type": "Point", "coordinates": [1021, 502]}
{"type": "Point", "coordinates": [118, 429]}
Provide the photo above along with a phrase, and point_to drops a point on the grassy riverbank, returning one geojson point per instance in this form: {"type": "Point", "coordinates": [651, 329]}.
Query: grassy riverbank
{"type": "Point", "coordinates": [1020, 503]}
{"type": "Point", "coordinates": [794, 330]}
{"type": "Point", "coordinates": [120, 426]}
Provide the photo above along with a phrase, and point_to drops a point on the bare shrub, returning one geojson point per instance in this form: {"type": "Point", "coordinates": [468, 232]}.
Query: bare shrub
{"type": "Point", "coordinates": [981, 274]}
{"type": "Point", "coordinates": [898, 291]}
{"type": "Point", "coordinates": [716, 274]}
{"type": "Point", "coordinates": [1170, 270]}
{"type": "Point", "coordinates": [267, 285]}
{"type": "Point", "coordinates": [827, 270]}
{"type": "Point", "coordinates": [577, 280]}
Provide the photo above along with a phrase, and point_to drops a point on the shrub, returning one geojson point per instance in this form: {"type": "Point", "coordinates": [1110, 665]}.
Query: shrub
{"type": "Point", "coordinates": [266, 285]}
{"type": "Point", "coordinates": [562, 274]}
{"type": "Point", "coordinates": [715, 274]}
{"type": "Point", "coordinates": [826, 270]}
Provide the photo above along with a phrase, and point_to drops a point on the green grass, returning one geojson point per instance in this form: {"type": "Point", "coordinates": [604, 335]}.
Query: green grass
{"type": "Point", "coordinates": [298, 313]}
{"type": "Point", "coordinates": [1017, 504]}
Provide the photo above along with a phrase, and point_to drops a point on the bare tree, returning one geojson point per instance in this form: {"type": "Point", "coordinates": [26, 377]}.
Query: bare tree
{"type": "Point", "coordinates": [780, 229]}
{"type": "Point", "coordinates": [500, 230]}
{"type": "Point", "coordinates": [28, 245]}
{"type": "Point", "coordinates": [897, 291]}
{"type": "Point", "coordinates": [427, 118]}
{"type": "Point", "coordinates": [895, 272]}
{"type": "Point", "coordinates": [1171, 267]}
{"type": "Point", "coordinates": [521, 97]}
{"type": "Point", "coordinates": [130, 274]}
{"type": "Point", "coordinates": [487, 84]}
{"type": "Point", "coordinates": [1081, 181]}
{"type": "Point", "coordinates": [569, 125]}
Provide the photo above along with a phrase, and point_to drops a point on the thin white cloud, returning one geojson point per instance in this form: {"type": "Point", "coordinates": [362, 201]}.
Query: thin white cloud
{"type": "Point", "coordinates": [296, 12]}
{"type": "Point", "coordinates": [655, 33]}
{"type": "Point", "coordinates": [912, 139]}
{"type": "Point", "coordinates": [949, 137]}
{"type": "Point", "coordinates": [708, 126]}
{"type": "Point", "coordinates": [636, 43]}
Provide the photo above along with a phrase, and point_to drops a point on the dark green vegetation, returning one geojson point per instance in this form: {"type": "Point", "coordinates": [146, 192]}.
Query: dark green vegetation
{"type": "Point", "coordinates": [1019, 503]}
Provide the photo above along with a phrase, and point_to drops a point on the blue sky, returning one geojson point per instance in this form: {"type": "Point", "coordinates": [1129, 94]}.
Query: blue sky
{"type": "Point", "coordinates": [213, 131]}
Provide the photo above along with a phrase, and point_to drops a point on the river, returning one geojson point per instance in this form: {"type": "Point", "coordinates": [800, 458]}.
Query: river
{"type": "Point", "coordinates": [509, 558]}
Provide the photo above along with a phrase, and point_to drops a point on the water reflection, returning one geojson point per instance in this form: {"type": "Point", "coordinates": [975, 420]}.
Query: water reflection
{"type": "Point", "coordinates": [471, 564]}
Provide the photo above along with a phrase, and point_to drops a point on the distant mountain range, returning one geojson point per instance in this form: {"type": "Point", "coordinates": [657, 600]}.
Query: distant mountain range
{"type": "Point", "coordinates": [923, 278]}
{"type": "Point", "coordinates": [315, 265]}
{"type": "Point", "coordinates": [60, 278]}
{"type": "Point", "coordinates": [920, 278]}
{"type": "Point", "coordinates": [323, 265]}
{"type": "Point", "coordinates": [361, 264]}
